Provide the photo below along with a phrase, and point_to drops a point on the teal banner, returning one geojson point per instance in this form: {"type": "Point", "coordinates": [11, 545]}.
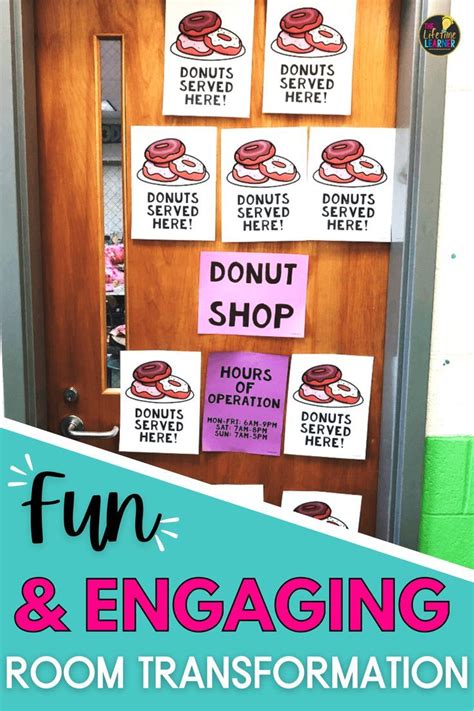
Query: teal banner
{"type": "Point", "coordinates": [127, 587]}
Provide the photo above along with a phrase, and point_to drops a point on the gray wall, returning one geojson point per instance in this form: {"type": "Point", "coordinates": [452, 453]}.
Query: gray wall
{"type": "Point", "coordinates": [22, 394]}
{"type": "Point", "coordinates": [13, 382]}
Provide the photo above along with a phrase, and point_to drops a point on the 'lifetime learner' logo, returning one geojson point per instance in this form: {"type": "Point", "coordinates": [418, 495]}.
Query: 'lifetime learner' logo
{"type": "Point", "coordinates": [439, 34]}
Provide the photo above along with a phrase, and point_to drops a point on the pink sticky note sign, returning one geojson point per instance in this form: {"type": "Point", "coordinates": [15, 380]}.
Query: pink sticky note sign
{"type": "Point", "coordinates": [253, 294]}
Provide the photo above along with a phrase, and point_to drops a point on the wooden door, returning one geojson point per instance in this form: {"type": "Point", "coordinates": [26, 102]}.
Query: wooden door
{"type": "Point", "coordinates": [347, 283]}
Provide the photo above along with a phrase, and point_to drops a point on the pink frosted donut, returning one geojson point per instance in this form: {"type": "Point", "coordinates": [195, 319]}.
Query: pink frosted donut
{"type": "Point", "coordinates": [223, 42]}
{"type": "Point", "coordinates": [314, 509]}
{"type": "Point", "coordinates": [251, 176]}
{"type": "Point", "coordinates": [152, 371]}
{"type": "Point", "coordinates": [301, 20]}
{"type": "Point", "coordinates": [335, 174]}
{"type": "Point", "coordinates": [278, 168]}
{"type": "Point", "coordinates": [188, 168]}
{"type": "Point", "coordinates": [162, 151]}
{"type": "Point", "coordinates": [290, 43]}
{"type": "Point", "coordinates": [343, 391]}
{"type": "Point", "coordinates": [147, 392]}
{"type": "Point", "coordinates": [366, 169]}
{"type": "Point", "coordinates": [195, 47]}
{"type": "Point", "coordinates": [320, 375]}
{"type": "Point", "coordinates": [316, 395]}
{"type": "Point", "coordinates": [253, 153]}
{"type": "Point", "coordinates": [325, 38]}
{"type": "Point", "coordinates": [200, 23]}
{"type": "Point", "coordinates": [342, 152]}
{"type": "Point", "coordinates": [160, 173]}
{"type": "Point", "coordinates": [174, 387]}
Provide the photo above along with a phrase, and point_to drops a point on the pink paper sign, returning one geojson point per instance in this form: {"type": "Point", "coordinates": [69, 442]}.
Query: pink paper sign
{"type": "Point", "coordinates": [244, 403]}
{"type": "Point", "coordinates": [244, 293]}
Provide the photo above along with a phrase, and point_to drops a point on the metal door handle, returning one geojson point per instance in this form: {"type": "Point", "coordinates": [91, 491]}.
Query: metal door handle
{"type": "Point", "coordinates": [72, 426]}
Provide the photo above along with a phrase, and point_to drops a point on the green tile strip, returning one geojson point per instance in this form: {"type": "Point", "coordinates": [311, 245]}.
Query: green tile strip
{"type": "Point", "coordinates": [447, 519]}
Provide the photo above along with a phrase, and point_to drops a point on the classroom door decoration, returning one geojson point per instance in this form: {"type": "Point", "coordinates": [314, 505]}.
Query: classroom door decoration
{"type": "Point", "coordinates": [160, 401]}
{"type": "Point", "coordinates": [244, 403]}
{"type": "Point", "coordinates": [350, 183]}
{"type": "Point", "coordinates": [309, 57]}
{"type": "Point", "coordinates": [263, 173]}
{"type": "Point", "coordinates": [173, 182]}
{"type": "Point", "coordinates": [328, 507]}
{"type": "Point", "coordinates": [208, 58]}
{"type": "Point", "coordinates": [328, 405]}
{"type": "Point", "coordinates": [253, 294]}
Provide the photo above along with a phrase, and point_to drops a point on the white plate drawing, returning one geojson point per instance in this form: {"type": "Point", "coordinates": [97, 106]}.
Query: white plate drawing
{"type": "Point", "coordinates": [214, 57]}
{"type": "Point", "coordinates": [332, 404]}
{"type": "Point", "coordinates": [315, 54]}
{"type": "Point", "coordinates": [166, 400]}
{"type": "Point", "coordinates": [179, 183]}
{"type": "Point", "coordinates": [269, 184]}
{"type": "Point", "coordinates": [335, 521]}
{"type": "Point", "coordinates": [356, 183]}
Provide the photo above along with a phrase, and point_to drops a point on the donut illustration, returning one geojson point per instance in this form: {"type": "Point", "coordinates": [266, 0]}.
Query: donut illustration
{"type": "Point", "coordinates": [323, 386]}
{"type": "Point", "coordinates": [258, 165]}
{"type": "Point", "coordinates": [303, 34]}
{"type": "Point", "coordinates": [201, 36]}
{"type": "Point", "coordinates": [320, 511]}
{"type": "Point", "coordinates": [155, 380]}
{"type": "Point", "coordinates": [345, 163]}
{"type": "Point", "coordinates": [166, 161]}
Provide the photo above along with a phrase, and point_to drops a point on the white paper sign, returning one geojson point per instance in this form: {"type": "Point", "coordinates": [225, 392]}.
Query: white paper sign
{"type": "Point", "coordinates": [263, 173]}
{"type": "Point", "coordinates": [328, 404]}
{"type": "Point", "coordinates": [341, 510]}
{"type": "Point", "coordinates": [160, 401]}
{"type": "Point", "coordinates": [244, 494]}
{"type": "Point", "coordinates": [309, 57]}
{"type": "Point", "coordinates": [350, 183]}
{"type": "Point", "coordinates": [173, 182]}
{"type": "Point", "coordinates": [208, 58]}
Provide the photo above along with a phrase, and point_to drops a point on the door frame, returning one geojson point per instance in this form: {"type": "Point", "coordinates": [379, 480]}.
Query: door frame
{"type": "Point", "coordinates": [420, 120]}
{"type": "Point", "coordinates": [420, 127]}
